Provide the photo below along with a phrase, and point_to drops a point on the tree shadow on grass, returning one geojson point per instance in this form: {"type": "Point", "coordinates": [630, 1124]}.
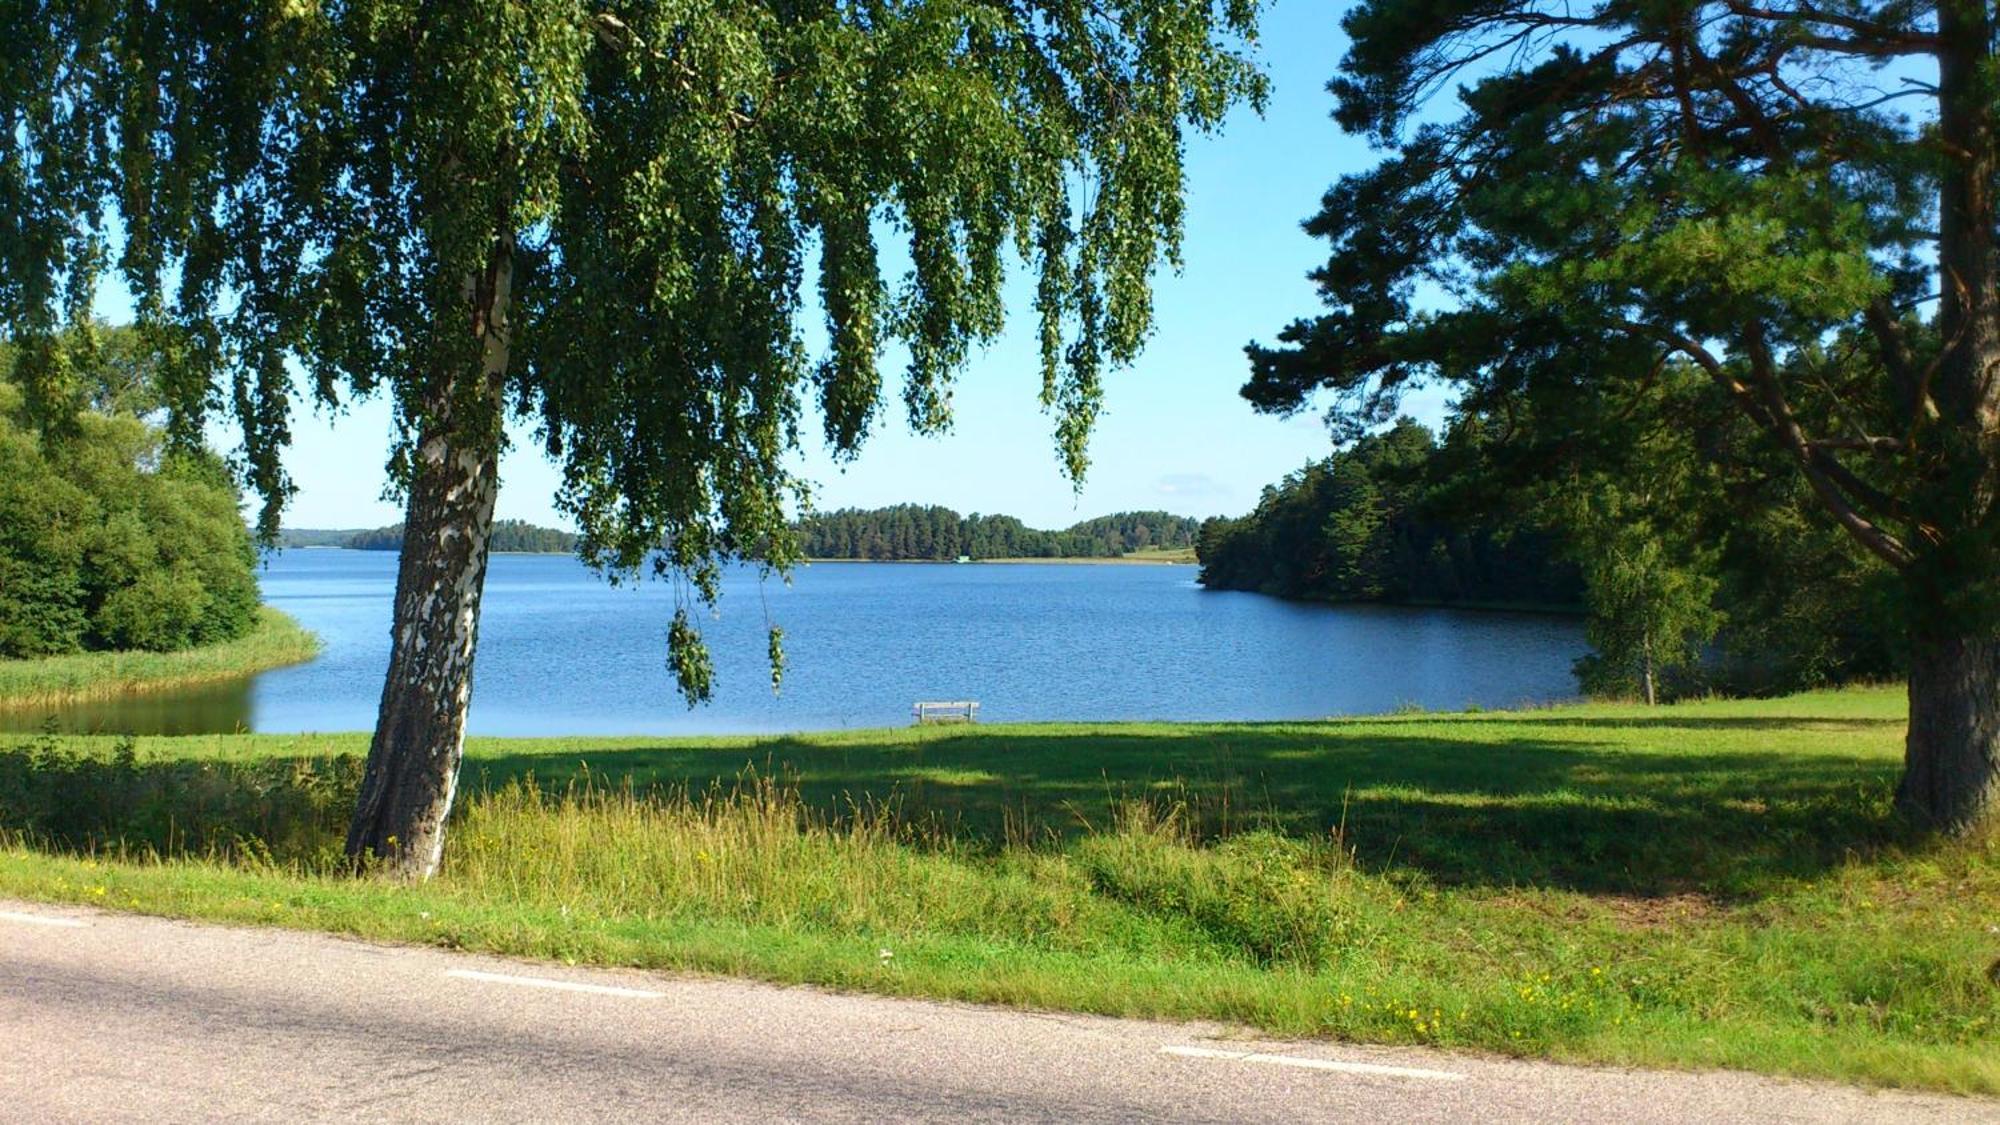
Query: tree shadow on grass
{"type": "Point", "coordinates": [60, 797]}
{"type": "Point", "coordinates": [1489, 809]}
{"type": "Point", "coordinates": [1575, 804]}
{"type": "Point", "coordinates": [1853, 724]}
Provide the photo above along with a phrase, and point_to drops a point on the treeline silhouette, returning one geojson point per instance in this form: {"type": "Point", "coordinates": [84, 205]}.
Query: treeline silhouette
{"type": "Point", "coordinates": [1402, 516]}
{"type": "Point", "coordinates": [316, 536]}
{"type": "Point", "coordinates": [912, 531]}
{"type": "Point", "coordinates": [1377, 523]}
{"type": "Point", "coordinates": [508, 535]}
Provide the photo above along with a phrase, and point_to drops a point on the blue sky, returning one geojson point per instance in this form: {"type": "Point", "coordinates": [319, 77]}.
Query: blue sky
{"type": "Point", "coordinates": [1174, 434]}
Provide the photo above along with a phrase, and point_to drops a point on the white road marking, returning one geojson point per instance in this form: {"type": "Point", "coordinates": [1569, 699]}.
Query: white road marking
{"type": "Point", "coordinates": [1315, 1064]}
{"type": "Point", "coordinates": [41, 920]}
{"type": "Point", "coordinates": [561, 985]}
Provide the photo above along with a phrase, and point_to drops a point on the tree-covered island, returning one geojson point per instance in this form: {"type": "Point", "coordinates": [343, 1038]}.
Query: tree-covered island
{"type": "Point", "coordinates": [929, 532]}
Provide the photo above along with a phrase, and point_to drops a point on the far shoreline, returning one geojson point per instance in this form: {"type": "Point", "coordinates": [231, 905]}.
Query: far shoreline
{"type": "Point", "coordinates": [1111, 560]}
{"type": "Point", "coordinates": [1120, 560]}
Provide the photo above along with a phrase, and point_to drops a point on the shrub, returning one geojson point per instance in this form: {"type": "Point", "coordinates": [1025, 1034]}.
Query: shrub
{"type": "Point", "coordinates": [107, 542]}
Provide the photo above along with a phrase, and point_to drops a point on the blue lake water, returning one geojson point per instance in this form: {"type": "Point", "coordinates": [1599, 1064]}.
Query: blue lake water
{"type": "Point", "coordinates": [562, 652]}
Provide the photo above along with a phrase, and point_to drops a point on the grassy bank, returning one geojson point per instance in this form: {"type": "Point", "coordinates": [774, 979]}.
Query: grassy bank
{"type": "Point", "coordinates": [276, 640]}
{"type": "Point", "coordinates": [1713, 884]}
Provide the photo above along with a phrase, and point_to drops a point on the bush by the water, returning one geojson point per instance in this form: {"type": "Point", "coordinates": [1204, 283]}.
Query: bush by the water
{"type": "Point", "coordinates": [109, 541]}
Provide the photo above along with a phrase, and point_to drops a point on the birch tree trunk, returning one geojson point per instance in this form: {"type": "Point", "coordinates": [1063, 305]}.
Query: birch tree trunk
{"type": "Point", "coordinates": [1646, 647]}
{"type": "Point", "coordinates": [413, 761]}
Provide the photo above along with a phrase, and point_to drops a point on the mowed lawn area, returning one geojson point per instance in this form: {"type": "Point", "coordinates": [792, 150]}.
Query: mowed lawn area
{"type": "Point", "coordinates": [1709, 884]}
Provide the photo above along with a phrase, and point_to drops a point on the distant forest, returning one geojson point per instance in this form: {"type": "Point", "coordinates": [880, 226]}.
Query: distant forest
{"type": "Point", "coordinates": [517, 536]}
{"type": "Point", "coordinates": [910, 531]}
{"type": "Point", "coordinates": [316, 536]}
{"type": "Point", "coordinates": [1379, 522]}
{"type": "Point", "coordinates": [903, 532]}
{"type": "Point", "coordinates": [1700, 569]}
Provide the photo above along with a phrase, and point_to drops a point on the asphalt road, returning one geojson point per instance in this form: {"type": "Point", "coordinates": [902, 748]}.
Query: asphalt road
{"type": "Point", "coordinates": [108, 1017]}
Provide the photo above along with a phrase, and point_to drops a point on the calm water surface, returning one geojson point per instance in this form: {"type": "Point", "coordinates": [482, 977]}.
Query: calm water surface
{"type": "Point", "coordinates": [561, 652]}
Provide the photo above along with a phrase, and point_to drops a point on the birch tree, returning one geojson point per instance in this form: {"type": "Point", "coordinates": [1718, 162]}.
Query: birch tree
{"type": "Point", "coordinates": [603, 217]}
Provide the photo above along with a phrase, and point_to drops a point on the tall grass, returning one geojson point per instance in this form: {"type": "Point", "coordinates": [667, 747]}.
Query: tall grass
{"type": "Point", "coordinates": [276, 640]}
{"type": "Point", "coordinates": [750, 852]}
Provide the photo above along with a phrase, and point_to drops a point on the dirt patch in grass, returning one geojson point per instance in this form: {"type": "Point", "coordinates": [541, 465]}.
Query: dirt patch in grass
{"type": "Point", "coordinates": [1660, 911]}
{"type": "Point", "coordinates": [1627, 911]}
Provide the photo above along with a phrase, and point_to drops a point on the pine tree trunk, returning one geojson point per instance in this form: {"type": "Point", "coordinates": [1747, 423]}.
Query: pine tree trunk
{"type": "Point", "coordinates": [1951, 770]}
{"type": "Point", "coordinates": [413, 762]}
{"type": "Point", "coordinates": [1951, 776]}
{"type": "Point", "coordinates": [412, 772]}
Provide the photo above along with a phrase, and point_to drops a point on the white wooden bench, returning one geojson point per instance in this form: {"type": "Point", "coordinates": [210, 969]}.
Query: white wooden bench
{"type": "Point", "coordinates": [957, 711]}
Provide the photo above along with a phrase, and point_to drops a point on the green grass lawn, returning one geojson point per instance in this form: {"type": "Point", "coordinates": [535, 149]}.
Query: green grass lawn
{"type": "Point", "coordinates": [1711, 884]}
{"type": "Point", "coordinates": [274, 641]}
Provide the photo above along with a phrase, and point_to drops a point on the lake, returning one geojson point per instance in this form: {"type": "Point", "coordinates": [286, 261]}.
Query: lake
{"type": "Point", "coordinates": [562, 652]}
